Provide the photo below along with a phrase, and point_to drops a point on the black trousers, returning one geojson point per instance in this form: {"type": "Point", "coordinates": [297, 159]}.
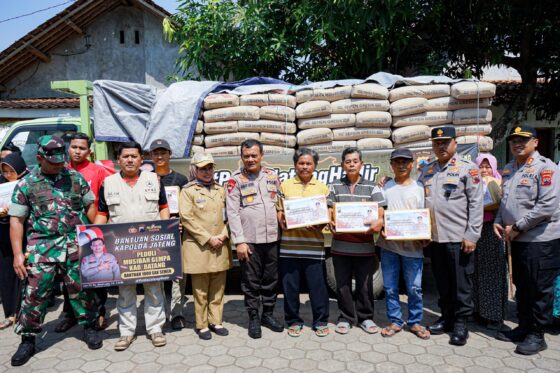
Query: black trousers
{"type": "Point", "coordinates": [453, 271]}
{"type": "Point", "coordinates": [259, 276]}
{"type": "Point", "coordinates": [10, 284]}
{"type": "Point", "coordinates": [535, 266]}
{"type": "Point", "coordinates": [361, 268]}
{"type": "Point", "coordinates": [101, 295]}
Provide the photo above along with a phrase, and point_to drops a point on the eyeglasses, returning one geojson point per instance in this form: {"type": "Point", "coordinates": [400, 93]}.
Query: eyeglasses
{"type": "Point", "coordinates": [54, 152]}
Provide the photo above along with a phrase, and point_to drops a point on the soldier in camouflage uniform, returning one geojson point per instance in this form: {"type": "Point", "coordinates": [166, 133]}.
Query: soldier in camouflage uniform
{"type": "Point", "coordinates": [51, 201]}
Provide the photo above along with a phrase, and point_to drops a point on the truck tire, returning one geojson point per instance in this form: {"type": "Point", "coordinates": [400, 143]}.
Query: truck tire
{"type": "Point", "coordinates": [377, 279]}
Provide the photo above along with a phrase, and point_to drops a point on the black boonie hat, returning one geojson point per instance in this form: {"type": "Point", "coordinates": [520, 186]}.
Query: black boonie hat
{"type": "Point", "coordinates": [522, 131]}
{"type": "Point", "coordinates": [160, 144]}
{"type": "Point", "coordinates": [402, 153]}
{"type": "Point", "coordinates": [443, 133]}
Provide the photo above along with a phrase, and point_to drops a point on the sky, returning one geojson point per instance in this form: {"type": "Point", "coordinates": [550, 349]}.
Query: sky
{"type": "Point", "coordinates": [12, 30]}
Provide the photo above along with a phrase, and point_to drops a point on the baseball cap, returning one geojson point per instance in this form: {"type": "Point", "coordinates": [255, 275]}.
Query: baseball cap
{"type": "Point", "coordinates": [160, 144]}
{"type": "Point", "coordinates": [51, 148]}
{"type": "Point", "coordinates": [402, 153]}
{"type": "Point", "coordinates": [202, 159]}
{"type": "Point", "coordinates": [522, 131]}
{"type": "Point", "coordinates": [445, 132]}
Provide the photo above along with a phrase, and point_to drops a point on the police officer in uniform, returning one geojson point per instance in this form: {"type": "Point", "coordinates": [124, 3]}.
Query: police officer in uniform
{"type": "Point", "coordinates": [50, 201]}
{"type": "Point", "coordinates": [251, 196]}
{"type": "Point", "coordinates": [454, 196]}
{"type": "Point", "coordinates": [529, 218]}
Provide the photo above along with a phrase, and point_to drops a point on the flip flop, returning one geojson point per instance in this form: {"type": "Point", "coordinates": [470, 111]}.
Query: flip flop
{"type": "Point", "coordinates": [6, 324]}
{"type": "Point", "coordinates": [419, 331]}
{"type": "Point", "coordinates": [369, 327]}
{"type": "Point", "coordinates": [322, 330]}
{"type": "Point", "coordinates": [295, 330]}
{"type": "Point", "coordinates": [343, 327]}
{"type": "Point", "coordinates": [390, 330]}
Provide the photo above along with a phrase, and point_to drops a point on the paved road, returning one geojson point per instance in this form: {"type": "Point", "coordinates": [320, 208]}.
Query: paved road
{"type": "Point", "coordinates": [355, 352]}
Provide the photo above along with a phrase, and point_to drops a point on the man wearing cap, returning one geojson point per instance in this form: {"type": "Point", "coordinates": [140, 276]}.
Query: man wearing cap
{"type": "Point", "coordinates": [529, 218]}
{"type": "Point", "coordinates": [251, 198]}
{"type": "Point", "coordinates": [51, 201]}
{"type": "Point", "coordinates": [454, 196]}
{"type": "Point", "coordinates": [403, 193]}
{"type": "Point", "coordinates": [126, 197]}
{"type": "Point", "coordinates": [160, 152]}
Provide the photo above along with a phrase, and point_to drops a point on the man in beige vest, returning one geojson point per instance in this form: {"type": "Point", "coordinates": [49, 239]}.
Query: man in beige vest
{"type": "Point", "coordinates": [132, 196]}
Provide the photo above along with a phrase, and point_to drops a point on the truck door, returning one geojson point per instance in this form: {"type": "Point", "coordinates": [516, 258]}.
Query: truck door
{"type": "Point", "coordinates": [25, 138]}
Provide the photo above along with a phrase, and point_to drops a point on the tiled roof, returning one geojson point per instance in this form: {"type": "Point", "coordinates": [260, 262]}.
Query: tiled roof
{"type": "Point", "coordinates": [41, 103]}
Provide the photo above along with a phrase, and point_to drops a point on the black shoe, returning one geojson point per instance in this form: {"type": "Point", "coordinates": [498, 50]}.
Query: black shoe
{"type": "Point", "coordinates": [460, 334]}
{"type": "Point", "coordinates": [440, 326]}
{"type": "Point", "coordinates": [24, 352]}
{"type": "Point", "coordinates": [178, 322]}
{"type": "Point", "coordinates": [515, 336]}
{"type": "Point", "coordinates": [254, 331]}
{"type": "Point", "coordinates": [271, 323]}
{"type": "Point", "coordinates": [533, 344]}
{"type": "Point", "coordinates": [222, 332]}
{"type": "Point", "coordinates": [92, 338]}
{"type": "Point", "coordinates": [205, 335]}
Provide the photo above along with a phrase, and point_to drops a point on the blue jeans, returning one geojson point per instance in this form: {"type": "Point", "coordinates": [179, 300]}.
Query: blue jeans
{"type": "Point", "coordinates": [391, 265]}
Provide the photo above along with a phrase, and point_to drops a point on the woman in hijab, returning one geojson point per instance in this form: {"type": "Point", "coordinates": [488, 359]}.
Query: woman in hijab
{"type": "Point", "coordinates": [490, 276]}
{"type": "Point", "coordinates": [13, 168]}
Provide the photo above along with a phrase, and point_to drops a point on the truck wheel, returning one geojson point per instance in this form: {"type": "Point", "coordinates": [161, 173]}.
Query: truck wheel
{"type": "Point", "coordinates": [377, 279]}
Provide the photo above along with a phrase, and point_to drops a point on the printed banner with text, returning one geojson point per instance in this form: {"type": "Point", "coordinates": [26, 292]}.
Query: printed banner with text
{"type": "Point", "coordinates": [129, 253]}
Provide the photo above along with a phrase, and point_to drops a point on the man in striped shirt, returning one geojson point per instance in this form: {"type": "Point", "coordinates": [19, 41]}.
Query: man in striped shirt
{"type": "Point", "coordinates": [354, 253]}
{"type": "Point", "coordinates": [302, 250]}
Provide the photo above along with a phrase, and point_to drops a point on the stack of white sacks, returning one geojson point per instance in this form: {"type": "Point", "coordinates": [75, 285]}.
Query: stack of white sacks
{"type": "Point", "coordinates": [230, 119]}
{"type": "Point", "coordinates": [367, 116]}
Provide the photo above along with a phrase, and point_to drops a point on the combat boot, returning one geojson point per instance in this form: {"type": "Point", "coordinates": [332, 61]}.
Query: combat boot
{"type": "Point", "coordinates": [533, 344]}
{"type": "Point", "coordinates": [24, 352]}
{"type": "Point", "coordinates": [92, 338]}
{"type": "Point", "coordinates": [254, 331]}
{"type": "Point", "coordinates": [270, 322]}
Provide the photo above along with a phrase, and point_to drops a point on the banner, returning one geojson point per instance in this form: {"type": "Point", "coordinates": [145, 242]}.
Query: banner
{"type": "Point", "coordinates": [129, 253]}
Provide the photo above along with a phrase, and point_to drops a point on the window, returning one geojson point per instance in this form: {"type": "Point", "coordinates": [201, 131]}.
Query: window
{"type": "Point", "coordinates": [136, 37]}
{"type": "Point", "coordinates": [121, 36]}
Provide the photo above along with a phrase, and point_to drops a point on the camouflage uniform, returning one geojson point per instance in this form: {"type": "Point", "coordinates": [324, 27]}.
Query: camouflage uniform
{"type": "Point", "coordinates": [54, 206]}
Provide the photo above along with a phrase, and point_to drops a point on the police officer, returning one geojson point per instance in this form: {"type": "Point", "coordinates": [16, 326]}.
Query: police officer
{"type": "Point", "coordinates": [252, 192]}
{"type": "Point", "coordinates": [454, 196]}
{"type": "Point", "coordinates": [100, 265]}
{"type": "Point", "coordinates": [529, 218]}
{"type": "Point", "coordinates": [52, 200]}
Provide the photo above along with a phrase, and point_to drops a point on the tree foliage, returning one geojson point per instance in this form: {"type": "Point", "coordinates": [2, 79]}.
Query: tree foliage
{"type": "Point", "coordinates": [335, 39]}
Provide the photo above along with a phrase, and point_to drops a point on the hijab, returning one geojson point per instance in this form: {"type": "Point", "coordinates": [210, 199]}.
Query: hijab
{"type": "Point", "coordinates": [493, 163]}
{"type": "Point", "coordinates": [15, 161]}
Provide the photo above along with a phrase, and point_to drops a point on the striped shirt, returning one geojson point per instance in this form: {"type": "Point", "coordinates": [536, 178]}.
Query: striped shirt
{"type": "Point", "coordinates": [364, 191]}
{"type": "Point", "coordinates": [300, 242]}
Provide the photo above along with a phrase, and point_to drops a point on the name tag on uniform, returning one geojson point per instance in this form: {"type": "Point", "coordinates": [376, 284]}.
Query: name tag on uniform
{"type": "Point", "coordinates": [248, 189]}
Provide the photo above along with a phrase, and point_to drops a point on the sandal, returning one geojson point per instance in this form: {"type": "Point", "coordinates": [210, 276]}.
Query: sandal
{"type": "Point", "coordinates": [295, 330]}
{"type": "Point", "coordinates": [390, 330]}
{"type": "Point", "coordinates": [343, 327]}
{"type": "Point", "coordinates": [369, 327]}
{"type": "Point", "coordinates": [6, 324]}
{"type": "Point", "coordinates": [322, 330]}
{"type": "Point", "coordinates": [419, 331]}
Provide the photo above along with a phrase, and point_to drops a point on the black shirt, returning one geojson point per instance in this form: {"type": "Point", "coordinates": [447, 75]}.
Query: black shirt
{"type": "Point", "coordinates": [174, 179]}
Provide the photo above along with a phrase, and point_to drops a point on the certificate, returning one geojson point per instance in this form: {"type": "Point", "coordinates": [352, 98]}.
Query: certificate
{"type": "Point", "coordinates": [354, 217]}
{"type": "Point", "coordinates": [305, 212]}
{"type": "Point", "coordinates": [408, 225]}
{"type": "Point", "coordinates": [6, 191]}
{"type": "Point", "coordinates": [172, 193]}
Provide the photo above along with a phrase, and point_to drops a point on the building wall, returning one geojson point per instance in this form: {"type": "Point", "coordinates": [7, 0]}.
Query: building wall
{"type": "Point", "coordinates": [150, 61]}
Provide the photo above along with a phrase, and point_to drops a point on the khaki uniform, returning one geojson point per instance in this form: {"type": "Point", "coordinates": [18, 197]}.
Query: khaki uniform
{"type": "Point", "coordinates": [454, 195]}
{"type": "Point", "coordinates": [251, 207]}
{"type": "Point", "coordinates": [531, 194]}
{"type": "Point", "coordinates": [251, 212]}
{"type": "Point", "coordinates": [202, 213]}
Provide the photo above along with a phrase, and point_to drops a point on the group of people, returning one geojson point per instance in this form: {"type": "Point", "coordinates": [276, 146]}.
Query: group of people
{"type": "Point", "coordinates": [467, 247]}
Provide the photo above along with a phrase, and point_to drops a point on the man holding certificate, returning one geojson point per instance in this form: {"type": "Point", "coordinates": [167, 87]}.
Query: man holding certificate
{"type": "Point", "coordinates": [403, 194]}
{"type": "Point", "coordinates": [302, 250]}
{"type": "Point", "coordinates": [454, 195]}
{"type": "Point", "coordinates": [354, 253]}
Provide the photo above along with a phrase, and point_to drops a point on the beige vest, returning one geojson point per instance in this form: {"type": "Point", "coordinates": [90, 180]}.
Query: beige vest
{"type": "Point", "coordinates": [126, 204]}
